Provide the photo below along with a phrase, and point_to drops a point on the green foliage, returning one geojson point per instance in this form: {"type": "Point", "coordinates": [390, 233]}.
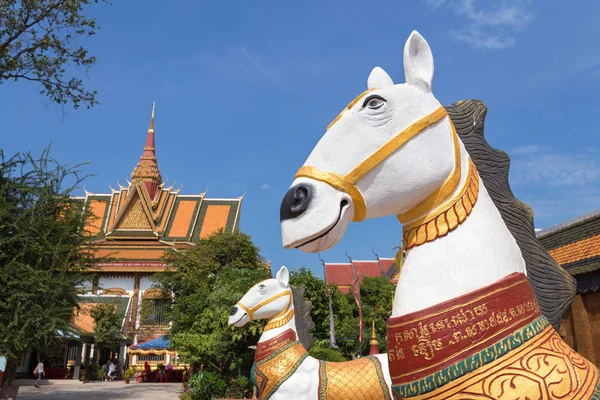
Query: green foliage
{"type": "Point", "coordinates": [239, 388]}
{"type": "Point", "coordinates": [207, 281]}
{"type": "Point", "coordinates": [39, 42]}
{"type": "Point", "coordinates": [316, 294]}
{"type": "Point", "coordinates": [43, 257]}
{"type": "Point", "coordinates": [374, 291]}
{"type": "Point", "coordinates": [325, 353]}
{"type": "Point", "coordinates": [207, 386]}
{"type": "Point", "coordinates": [129, 373]}
{"type": "Point", "coordinates": [107, 331]}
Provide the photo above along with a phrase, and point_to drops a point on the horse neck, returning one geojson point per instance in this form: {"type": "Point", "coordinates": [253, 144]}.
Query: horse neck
{"type": "Point", "coordinates": [274, 332]}
{"type": "Point", "coordinates": [479, 252]}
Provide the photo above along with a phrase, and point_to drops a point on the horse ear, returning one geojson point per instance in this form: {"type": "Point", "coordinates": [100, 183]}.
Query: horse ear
{"type": "Point", "coordinates": [418, 62]}
{"type": "Point", "coordinates": [378, 78]}
{"type": "Point", "coordinates": [283, 277]}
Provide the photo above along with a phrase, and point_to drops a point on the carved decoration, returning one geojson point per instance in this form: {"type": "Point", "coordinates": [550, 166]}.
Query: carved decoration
{"type": "Point", "coordinates": [115, 291]}
{"type": "Point", "coordinates": [447, 217]}
{"type": "Point", "coordinates": [135, 218]}
{"type": "Point", "coordinates": [153, 293]}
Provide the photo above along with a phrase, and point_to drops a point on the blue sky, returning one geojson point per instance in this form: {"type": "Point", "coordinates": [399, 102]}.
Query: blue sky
{"type": "Point", "coordinates": [244, 90]}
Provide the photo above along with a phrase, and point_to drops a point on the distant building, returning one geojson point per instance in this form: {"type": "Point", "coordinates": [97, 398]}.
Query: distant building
{"type": "Point", "coordinates": [133, 227]}
{"type": "Point", "coordinates": [342, 274]}
{"type": "Point", "coordinates": [575, 245]}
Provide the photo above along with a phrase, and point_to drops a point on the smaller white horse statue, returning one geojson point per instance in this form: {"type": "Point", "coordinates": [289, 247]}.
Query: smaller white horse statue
{"type": "Point", "coordinates": [283, 369]}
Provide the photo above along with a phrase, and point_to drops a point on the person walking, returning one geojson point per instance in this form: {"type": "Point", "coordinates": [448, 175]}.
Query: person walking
{"type": "Point", "coordinates": [111, 371]}
{"type": "Point", "coordinates": [39, 370]}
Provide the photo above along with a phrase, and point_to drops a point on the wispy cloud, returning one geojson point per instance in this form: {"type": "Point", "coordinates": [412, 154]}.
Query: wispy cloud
{"type": "Point", "coordinates": [265, 186]}
{"type": "Point", "coordinates": [489, 25]}
{"type": "Point", "coordinates": [556, 184]}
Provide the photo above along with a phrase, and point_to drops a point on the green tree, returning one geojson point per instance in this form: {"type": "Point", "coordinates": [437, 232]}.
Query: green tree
{"type": "Point", "coordinates": [207, 280]}
{"type": "Point", "coordinates": [377, 294]}
{"type": "Point", "coordinates": [43, 256]}
{"type": "Point", "coordinates": [38, 43]}
{"type": "Point", "coordinates": [107, 330]}
{"type": "Point", "coordinates": [316, 294]}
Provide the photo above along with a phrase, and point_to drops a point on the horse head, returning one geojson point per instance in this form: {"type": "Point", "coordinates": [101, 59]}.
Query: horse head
{"type": "Point", "coordinates": [268, 299]}
{"type": "Point", "coordinates": [386, 153]}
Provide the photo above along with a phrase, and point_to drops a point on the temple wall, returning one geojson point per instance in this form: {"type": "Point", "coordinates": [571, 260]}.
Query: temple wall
{"type": "Point", "coordinates": [581, 326]}
{"type": "Point", "coordinates": [145, 283]}
{"type": "Point", "coordinates": [122, 282]}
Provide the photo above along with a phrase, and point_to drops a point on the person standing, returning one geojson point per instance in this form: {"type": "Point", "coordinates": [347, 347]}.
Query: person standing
{"type": "Point", "coordinates": [39, 370]}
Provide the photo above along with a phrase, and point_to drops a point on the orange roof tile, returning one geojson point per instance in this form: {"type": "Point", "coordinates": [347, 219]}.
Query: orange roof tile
{"type": "Point", "coordinates": [96, 208]}
{"type": "Point", "coordinates": [215, 219]}
{"type": "Point", "coordinates": [577, 251]}
{"type": "Point", "coordinates": [183, 218]}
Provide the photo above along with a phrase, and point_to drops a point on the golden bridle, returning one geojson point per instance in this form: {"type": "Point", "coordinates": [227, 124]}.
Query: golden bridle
{"type": "Point", "coordinates": [429, 209]}
{"type": "Point", "coordinates": [278, 320]}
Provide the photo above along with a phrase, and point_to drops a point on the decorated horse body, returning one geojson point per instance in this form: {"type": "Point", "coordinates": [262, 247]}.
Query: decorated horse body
{"type": "Point", "coordinates": [477, 293]}
{"type": "Point", "coordinates": [283, 369]}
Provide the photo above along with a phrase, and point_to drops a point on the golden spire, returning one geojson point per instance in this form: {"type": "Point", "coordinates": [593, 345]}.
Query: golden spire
{"type": "Point", "coordinates": [147, 170]}
{"type": "Point", "coordinates": [151, 129]}
{"type": "Point", "coordinates": [373, 334]}
{"type": "Point", "coordinates": [373, 343]}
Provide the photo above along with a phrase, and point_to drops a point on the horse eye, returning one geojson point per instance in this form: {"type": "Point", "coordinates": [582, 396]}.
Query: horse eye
{"type": "Point", "coordinates": [374, 102]}
{"type": "Point", "coordinates": [262, 288]}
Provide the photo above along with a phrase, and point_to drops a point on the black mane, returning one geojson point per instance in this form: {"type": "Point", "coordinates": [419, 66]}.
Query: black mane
{"type": "Point", "coordinates": [554, 288]}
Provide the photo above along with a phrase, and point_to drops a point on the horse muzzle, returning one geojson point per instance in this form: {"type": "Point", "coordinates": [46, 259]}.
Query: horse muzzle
{"type": "Point", "coordinates": [238, 317]}
{"type": "Point", "coordinates": [314, 215]}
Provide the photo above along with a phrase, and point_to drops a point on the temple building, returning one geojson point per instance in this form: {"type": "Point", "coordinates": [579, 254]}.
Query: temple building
{"type": "Point", "coordinates": [342, 274]}
{"type": "Point", "coordinates": [575, 245]}
{"type": "Point", "coordinates": [133, 227]}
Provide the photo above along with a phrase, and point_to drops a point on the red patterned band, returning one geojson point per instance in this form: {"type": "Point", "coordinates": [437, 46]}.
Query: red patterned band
{"type": "Point", "coordinates": [269, 347]}
{"type": "Point", "coordinates": [429, 340]}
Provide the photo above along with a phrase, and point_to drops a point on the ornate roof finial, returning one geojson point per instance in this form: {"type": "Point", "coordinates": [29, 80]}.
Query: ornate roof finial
{"type": "Point", "coordinates": [146, 171]}
{"type": "Point", "coordinates": [152, 118]}
{"type": "Point", "coordinates": [373, 343]}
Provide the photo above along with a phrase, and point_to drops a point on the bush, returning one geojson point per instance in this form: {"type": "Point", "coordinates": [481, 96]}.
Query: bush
{"type": "Point", "coordinates": [129, 373]}
{"type": "Point", "coordinates": [207, 386]}
{"type": "Point", "coordinates": [326, 354]}
{"type": "Point", "coordinates": [239, 387]}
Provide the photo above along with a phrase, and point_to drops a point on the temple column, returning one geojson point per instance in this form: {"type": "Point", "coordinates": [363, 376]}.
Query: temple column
{"type": "Point", "coordinates": [77, 366]}
{"type": "Point", "coordinates": [583, 329]}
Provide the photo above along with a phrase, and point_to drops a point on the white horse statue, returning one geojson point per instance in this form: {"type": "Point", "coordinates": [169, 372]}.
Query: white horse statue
{"type": "Point", "coordinates": [284, 370]}
{"type": "Point", "coordinates": [476, 293]}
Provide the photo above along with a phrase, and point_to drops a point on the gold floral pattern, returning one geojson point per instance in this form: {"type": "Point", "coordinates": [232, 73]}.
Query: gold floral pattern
{"type": "Point", "coordinates": [545, 368]}
{"type": "Point", "coordinates": [356, 379]}
{"type": "Point", "coordinates": [276, 368]}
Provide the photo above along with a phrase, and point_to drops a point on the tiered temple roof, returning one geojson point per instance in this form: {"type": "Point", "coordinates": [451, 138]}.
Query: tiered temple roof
{"type": "Point", "coordinates": [137, 223]}
{"type": "Point", "coordinates": [342, 274]}
{"type": "Point", "coordinates": [575, 245]}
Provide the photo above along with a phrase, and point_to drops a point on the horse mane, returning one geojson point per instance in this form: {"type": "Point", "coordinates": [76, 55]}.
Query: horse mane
{"type": "Point", "coordinates": [304, 323]}
{"type": "Point", "coordinates": [554, 288]}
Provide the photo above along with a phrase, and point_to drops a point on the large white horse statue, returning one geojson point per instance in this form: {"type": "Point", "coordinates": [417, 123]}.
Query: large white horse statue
{"type": "Point", "coordinates": [472, 310]}
{"type": "Point", "coordinates": [283, 369]}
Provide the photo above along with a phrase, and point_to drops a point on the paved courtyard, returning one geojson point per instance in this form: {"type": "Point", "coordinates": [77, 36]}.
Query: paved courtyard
{"type": "Point", "coordinates": [71, 390]}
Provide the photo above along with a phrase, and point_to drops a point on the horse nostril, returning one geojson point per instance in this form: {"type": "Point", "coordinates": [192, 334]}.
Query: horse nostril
{"type": "Point", "coordinates": [233, 310]}
{"type": "Point", "coordinates": [296, 201]}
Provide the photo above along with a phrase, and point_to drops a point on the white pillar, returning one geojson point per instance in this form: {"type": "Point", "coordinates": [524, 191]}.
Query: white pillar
{"type": "Point", "coordinates": [123, 354]}
{"type": "Point", "coordinates": [168, 358]}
